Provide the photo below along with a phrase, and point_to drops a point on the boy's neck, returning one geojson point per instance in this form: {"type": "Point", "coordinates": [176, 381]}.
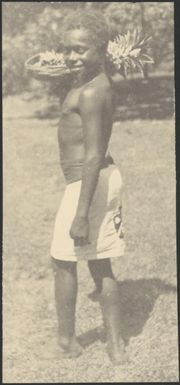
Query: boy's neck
{"type": "Point", "coordinates": [87, 78]}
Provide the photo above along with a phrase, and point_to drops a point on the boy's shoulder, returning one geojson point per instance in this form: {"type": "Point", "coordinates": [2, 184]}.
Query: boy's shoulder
{"type": "Point", "coordinates": [97, 89]}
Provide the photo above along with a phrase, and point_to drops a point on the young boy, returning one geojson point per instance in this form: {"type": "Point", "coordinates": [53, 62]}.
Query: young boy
{"type": "Point", "coordinates": [88, 224]}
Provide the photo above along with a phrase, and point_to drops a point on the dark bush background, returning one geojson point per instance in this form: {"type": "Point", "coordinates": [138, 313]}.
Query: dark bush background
{"type": "Point", "coordinates": [32, 27]}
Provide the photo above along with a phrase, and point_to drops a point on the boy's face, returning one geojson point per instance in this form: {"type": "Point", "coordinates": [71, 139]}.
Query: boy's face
{"type": "Point", "coordinates": [80, 53]}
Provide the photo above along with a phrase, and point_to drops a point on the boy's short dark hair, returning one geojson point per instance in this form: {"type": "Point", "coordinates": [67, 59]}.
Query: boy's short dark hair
{"type": "Point", "coordinates": [91, 21]}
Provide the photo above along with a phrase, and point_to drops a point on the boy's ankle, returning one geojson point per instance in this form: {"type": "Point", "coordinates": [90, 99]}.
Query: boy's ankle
{"type": "Point", "coordinates": [65, 342]}
{"type": "Point", "coordinates": [117, 351]}
{"type": "Point", "coordinates": [70, 347]}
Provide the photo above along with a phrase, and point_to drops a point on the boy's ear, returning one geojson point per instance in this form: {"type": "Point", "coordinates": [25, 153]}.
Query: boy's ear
{"type": "Point", "coordinates": [103, 49]}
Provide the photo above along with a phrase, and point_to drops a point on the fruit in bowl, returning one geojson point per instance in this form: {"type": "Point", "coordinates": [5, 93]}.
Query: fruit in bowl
{"type": "Point", "coordinates": [51, 58]}
{"type": "Point", "coordinates": [46, 65]}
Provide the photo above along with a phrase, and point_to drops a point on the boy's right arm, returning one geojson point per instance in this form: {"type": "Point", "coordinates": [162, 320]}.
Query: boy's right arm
{"type": "Point", "coordinates": [92, 107]}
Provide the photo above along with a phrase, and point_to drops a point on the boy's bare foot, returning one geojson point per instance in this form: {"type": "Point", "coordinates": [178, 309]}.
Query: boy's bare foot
{"type": "Point", "coordinates": [70, 349]}
{"type": "Point", "coordinates": [117, 352]}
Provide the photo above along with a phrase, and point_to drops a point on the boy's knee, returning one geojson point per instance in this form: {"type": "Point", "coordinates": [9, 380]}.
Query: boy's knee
{"type": "Point", "coordinates": [101, 268]}
{"type": "Point", "coordinates": [63, 265]}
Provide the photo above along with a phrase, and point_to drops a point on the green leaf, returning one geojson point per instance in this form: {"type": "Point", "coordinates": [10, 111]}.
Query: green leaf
{"type": "Point", "coordinates": [147, 59]}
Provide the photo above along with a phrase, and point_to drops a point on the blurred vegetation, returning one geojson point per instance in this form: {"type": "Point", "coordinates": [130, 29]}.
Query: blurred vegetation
{"type": "Point", "coordinates": [32, 27]}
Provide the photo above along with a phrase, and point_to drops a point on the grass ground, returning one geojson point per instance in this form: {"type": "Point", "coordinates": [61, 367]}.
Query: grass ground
{"type": "Point", "coordinates": [33, 187]}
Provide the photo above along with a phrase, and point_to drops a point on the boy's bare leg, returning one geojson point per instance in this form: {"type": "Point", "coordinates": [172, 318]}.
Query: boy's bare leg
{"type": "Point", "coordinates": [65, 275]}
{"type": "Point", "coordinates": [98, 283]}
{"type": "Point", "coordinates": [109, 301]}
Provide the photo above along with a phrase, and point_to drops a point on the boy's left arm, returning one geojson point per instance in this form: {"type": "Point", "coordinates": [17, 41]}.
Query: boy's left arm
{"type": "Point", "coordinates": [92, 109]}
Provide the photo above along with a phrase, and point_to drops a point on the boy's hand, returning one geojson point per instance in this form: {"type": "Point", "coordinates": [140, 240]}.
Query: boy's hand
{"type": "Point", "coordinates": [79, 231]}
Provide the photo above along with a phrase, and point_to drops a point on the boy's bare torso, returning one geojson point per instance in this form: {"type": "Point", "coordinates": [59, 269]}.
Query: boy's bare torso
{"type": "Point", "coordinates": [71, 130]}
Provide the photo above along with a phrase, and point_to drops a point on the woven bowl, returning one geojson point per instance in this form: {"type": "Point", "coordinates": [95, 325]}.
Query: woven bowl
{"type": "Point", "coordinates": [33, 65]}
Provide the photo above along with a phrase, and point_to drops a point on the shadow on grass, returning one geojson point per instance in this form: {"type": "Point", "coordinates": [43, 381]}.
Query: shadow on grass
{"type": "Point", "coordinates": [136, 302]}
